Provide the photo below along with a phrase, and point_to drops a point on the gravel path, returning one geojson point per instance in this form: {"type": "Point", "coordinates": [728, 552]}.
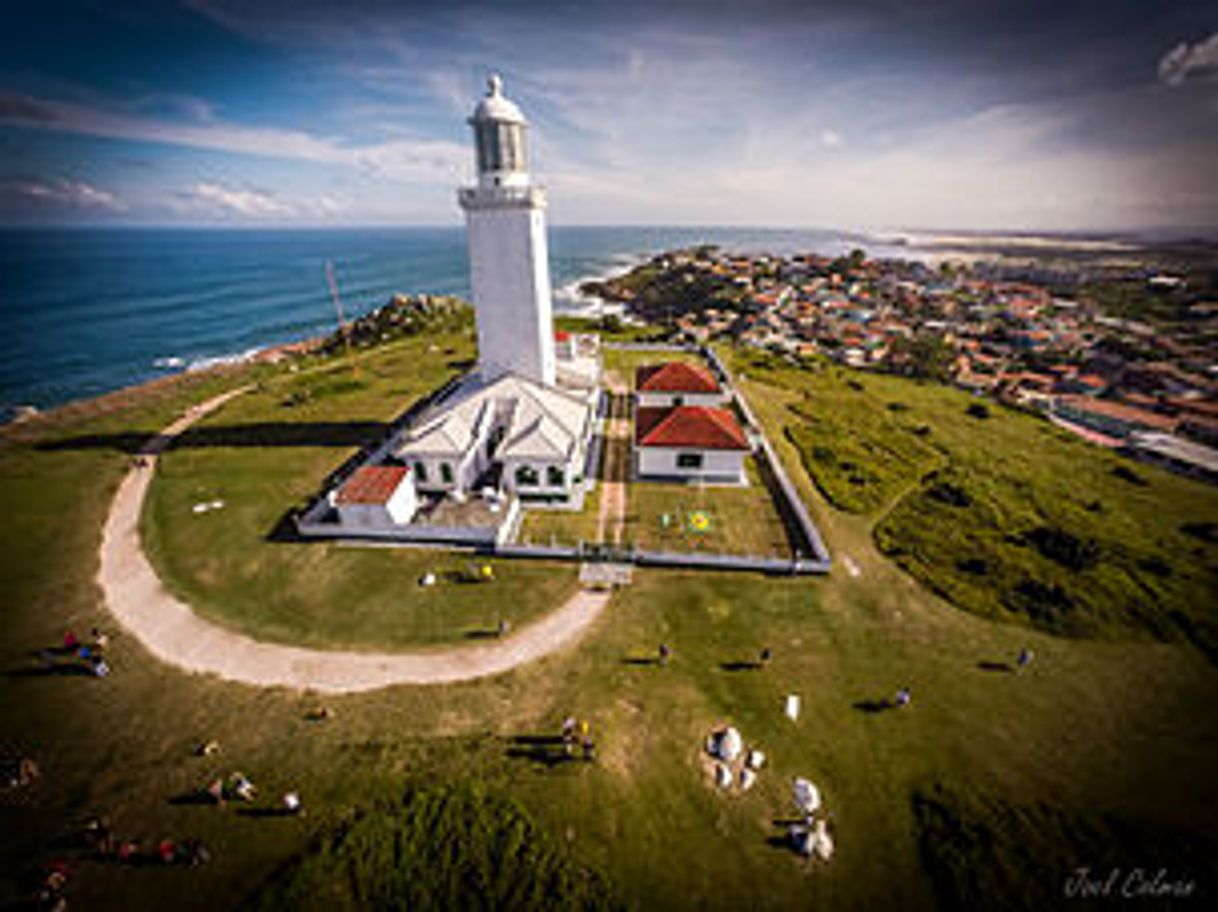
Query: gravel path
{"type": "Point", "coordinates": [174, 634]}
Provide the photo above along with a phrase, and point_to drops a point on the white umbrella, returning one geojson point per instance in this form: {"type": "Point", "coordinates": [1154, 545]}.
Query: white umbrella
{"type": "Point", "coordinates": [806, 796]}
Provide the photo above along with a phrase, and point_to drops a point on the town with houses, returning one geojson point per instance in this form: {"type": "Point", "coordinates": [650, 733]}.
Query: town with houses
{"type": "Point", "coordinates": [1148, 387]}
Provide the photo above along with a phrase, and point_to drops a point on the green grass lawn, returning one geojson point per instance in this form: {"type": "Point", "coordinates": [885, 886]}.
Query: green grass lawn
{"type": "Point", "coordinates": [1111, 737]}
{"type": "Point", "coordinates": [270, 450]}
{"type": "Point", "coordinates": [563, 527]}
{"type": "Point", "coordinates": [706, 518]}
{"type": "Point", "coordinates": [627, 362]}
{"type": "Point", "coordinates": [1004, 515]}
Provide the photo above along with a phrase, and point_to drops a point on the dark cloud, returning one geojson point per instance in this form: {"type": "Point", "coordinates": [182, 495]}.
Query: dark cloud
{"type": "Point", "coordinates": [20, 108]}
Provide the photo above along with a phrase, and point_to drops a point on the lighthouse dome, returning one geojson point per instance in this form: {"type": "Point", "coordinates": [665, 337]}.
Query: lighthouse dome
{"type": "Point", "coordinates": [494, 106]}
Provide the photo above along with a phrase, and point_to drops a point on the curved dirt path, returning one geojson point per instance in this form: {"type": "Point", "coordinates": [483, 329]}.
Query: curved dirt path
{"type": "Point", "coordinates": [172, 632]}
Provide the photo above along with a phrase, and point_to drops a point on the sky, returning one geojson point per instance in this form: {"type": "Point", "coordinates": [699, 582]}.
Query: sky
{"type": "Point", "coordinates": [890, 114]}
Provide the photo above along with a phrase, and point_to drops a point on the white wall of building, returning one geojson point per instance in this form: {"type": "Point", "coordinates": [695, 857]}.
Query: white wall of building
{"type": "Point", "coordinates": [571, 470]}
{"type": "Point", "coordinates": [428, 469]}
{"type": "Point", "coordinates": [723, 466]}
{"type": "Point", "coordinates": [669, 400]}
{"type": "Point", "coordinates": [399, 509]}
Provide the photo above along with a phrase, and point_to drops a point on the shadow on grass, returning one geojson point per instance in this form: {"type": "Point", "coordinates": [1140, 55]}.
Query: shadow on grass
{"type": "Point", "coordinates": [258, 434]}
{"type": "Point", "coordinates": [544, 750]}
{"type": "Point", "coordinates": [640, 660]}
{"type": "Point", "coordinates": [65, 670]}
{"type": "Point", "coordinates": [996, 666]}
{"type": "Point", "coordinates": [266, 812]}
{"type": "Point", "coordinates": [740, 666]}
{"type": "Point", "coordinates": [285, 531]}
{"type": "Point", "coordinates": [873, 706]}
{"type": "Point", "coordinates": [194, 797]}
{"type": "Point", "coordinates": [482, 633]}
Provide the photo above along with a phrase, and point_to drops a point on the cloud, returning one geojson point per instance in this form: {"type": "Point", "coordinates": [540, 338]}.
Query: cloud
{"type": "Point", "coordinates": [74, 194]}
{"type": "Point", "coordinates": [218, 199]}
{"type": "Point", "coordinates": [212, 199]}
{"type": "Point", "coordinates": [411, 160]}
{"type": "Point", "coordinates": [22, 109]}
{"type": "Point", "coordinates": [1189, 62]}
{"type": "Point", "coordinates": [830, 139]}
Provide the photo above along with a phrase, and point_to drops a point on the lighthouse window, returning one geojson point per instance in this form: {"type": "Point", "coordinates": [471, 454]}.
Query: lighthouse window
{"type": "Point", "coordinates": [489, 154]}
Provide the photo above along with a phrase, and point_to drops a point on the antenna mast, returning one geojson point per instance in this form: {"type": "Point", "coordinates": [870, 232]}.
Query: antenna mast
{"type": "Point", "coordinates": [343, 327]}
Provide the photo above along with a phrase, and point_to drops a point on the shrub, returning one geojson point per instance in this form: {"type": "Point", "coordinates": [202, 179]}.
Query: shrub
{"type": "Point", "coordinates": [445, 847]}
{"type": "Point", "coordinates": [1063, 548]}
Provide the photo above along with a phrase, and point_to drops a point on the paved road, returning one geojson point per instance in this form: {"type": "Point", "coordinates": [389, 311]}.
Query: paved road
{"type": "Point", "coordinates": [172, 632]}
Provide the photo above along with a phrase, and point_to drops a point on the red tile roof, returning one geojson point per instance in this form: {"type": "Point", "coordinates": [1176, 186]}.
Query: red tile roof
{"type": "Point", "coordinates": [561, 335]}
{"type": "Point", "coordinates": [675, 377]}
{"type": "Point", "coordinates": [372, 484]}
{"type": "Point", "coordinates": [693, 426]}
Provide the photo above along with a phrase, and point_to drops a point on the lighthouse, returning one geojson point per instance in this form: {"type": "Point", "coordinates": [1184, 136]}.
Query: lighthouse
{"type": "Point", "coordinates": [509, 265]}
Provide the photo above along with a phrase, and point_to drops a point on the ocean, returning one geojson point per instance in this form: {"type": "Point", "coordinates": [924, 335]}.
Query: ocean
{"type": "Point", "coordinates": [87, 311]}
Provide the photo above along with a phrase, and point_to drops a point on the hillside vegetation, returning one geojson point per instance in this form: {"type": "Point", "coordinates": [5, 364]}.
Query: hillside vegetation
{"type": "Point", "coordinates": [1003, 513]}
{"type": "Point", "coordinates": [442, 847]}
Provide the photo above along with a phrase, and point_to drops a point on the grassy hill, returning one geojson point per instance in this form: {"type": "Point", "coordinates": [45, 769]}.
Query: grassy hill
{"type": "Point", "coordinates": [1001, 512]}
{"type": "Point", "coordinates": [1117, 733]}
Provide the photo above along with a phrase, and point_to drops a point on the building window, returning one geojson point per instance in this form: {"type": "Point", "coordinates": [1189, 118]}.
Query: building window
{"type": "Point", "coordinates": [420, 472]}
{"type": "Point", "coordinates": [526, 477]}
{"type": "Point", "coordinates": [555, 476]}
{"type": "Point", "coordinates": [689, 460]}
{"type": "Point", "coordinates": [678, 401]}
{"type": "Point", "coordinates": [446, 473]}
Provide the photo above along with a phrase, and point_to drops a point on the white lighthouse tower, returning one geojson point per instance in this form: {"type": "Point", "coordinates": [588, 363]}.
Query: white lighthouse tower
{"type": "Point", "coordinates": [509, 266]}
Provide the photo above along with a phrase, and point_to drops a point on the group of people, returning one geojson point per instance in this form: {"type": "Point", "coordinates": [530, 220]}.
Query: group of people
{"type": "Point", "coordinates": [97, 836]}
{"type": "Point", "coordinates": [92, 654]}
{"type": "Point", "coordinates": [238, 787]}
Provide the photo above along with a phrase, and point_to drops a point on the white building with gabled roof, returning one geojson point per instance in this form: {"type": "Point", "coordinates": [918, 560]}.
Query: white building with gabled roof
{"type": "Point", "coordinates": [512, 433]}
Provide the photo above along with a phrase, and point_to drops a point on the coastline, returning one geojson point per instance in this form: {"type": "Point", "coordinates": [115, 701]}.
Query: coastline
{"type": "Point", "coordinates": [29, 418]}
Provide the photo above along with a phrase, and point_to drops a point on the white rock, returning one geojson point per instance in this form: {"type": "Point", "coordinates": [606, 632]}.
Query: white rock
{"type": "Point", "coordinates": [747, 778]}
{"type": "Point", "coordinates": [723, 776]}
{"type": "Point", "coordinates": [756, 759]}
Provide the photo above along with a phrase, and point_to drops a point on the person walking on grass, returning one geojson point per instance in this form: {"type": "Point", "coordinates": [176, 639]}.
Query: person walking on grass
{"type": "Point", "coordinates": [662, 654]}
{"type": "Point", "coordinates": [903, 697]}
{"type": "Point", "coordinates": [1024, 659]}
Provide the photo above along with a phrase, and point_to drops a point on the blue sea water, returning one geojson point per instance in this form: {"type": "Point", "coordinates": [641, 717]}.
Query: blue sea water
{"type": "Point", "coordinates": [86, 311]}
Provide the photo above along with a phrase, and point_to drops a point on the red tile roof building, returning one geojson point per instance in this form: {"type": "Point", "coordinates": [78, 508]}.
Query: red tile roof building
{"type": "Point", "coordinates": [689, 427]}
{"type": "Point", "coordinates": [372, 485]}
{"type": "Point", "coordinates": [675, 377]}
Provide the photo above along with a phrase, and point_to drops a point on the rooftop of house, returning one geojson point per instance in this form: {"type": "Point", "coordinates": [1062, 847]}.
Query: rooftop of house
{"type": "Point", "coordinates": [675, 377]}
{"type": "Point", "coordinates": [372, 484]}
{"type": "Point", "coordinates": [693, 426]}
{"type": "Point", "coordinates": [1117, 411]}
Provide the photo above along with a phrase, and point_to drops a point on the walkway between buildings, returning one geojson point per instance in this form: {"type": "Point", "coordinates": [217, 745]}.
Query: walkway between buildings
{"type": "Point", "coordinates": [611, 520]}
{"type": "Point", "coordinates": [171, 631]}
